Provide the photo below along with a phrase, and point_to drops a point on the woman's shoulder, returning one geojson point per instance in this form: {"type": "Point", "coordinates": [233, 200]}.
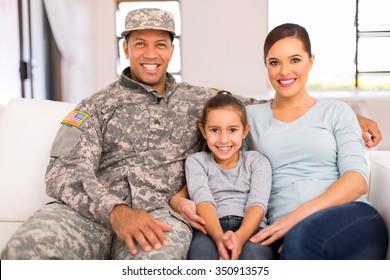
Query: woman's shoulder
{"type": "Point", "coordinates": [332, 103]}
{"type": "Point", "coordinates": [258, 110]}
{"type": "Point", "coordinates": [335, 107]}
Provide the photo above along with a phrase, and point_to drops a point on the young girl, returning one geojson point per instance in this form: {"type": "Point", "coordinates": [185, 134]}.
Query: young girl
{"type": "Point", "coordinates": [230, 187]}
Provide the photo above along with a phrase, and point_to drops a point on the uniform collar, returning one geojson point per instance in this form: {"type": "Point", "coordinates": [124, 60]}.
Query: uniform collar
{"type": "Point", "coordinates": [170, 84]}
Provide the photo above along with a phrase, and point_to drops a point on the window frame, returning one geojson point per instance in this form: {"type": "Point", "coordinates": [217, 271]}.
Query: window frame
{"type": "Point", "coordinates": [367, 34]}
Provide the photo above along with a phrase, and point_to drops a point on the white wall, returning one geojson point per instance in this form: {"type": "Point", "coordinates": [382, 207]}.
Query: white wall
{"type": "Point", "coordinates": [222, 44]}
{"type": "Point", "coordinates": [105, 49]}
{"type": "Point", "coordinates": [99, 48]}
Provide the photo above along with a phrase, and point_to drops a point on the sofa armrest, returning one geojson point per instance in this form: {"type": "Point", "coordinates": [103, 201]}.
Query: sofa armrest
{"type": "Point", "coordinates": [27, 130]}
{"type": "Point", "coordinates": [379, 191]}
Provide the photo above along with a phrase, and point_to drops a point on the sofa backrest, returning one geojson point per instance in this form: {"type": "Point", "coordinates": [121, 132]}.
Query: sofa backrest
{"type": "Point", "coordinates": [1, 109]}
{"type": "Point", "coordinates": [27, 130]}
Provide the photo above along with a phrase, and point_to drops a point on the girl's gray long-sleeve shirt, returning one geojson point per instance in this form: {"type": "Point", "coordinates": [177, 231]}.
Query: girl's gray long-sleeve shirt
{"type": "Point", "coordinates": [232, 191]}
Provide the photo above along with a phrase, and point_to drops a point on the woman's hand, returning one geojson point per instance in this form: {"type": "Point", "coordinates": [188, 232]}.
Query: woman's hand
{"type": "Point", "coordinates": [274, 232]}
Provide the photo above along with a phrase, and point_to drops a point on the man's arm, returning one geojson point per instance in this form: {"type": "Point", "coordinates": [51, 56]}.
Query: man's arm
{"type": "Point", "coordinates": [371, 132]}
{"type": "Point", "coordinates": [71, 178]}
{"type": "Point", "coordinates": [181, 203]}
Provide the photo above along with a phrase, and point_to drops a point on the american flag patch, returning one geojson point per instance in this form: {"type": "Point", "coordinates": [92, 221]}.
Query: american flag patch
{"type": "Point", "coordinates": [75, 118]}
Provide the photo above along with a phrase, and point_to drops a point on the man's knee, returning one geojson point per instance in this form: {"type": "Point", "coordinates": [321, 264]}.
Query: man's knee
{"type": "Point", "coordinates": [179, 238]}
{"type": "Point", "coordinates": [57, 232]}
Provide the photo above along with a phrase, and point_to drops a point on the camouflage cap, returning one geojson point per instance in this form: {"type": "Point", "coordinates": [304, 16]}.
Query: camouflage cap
{"type": "Point", "coordinates": [149, 18]}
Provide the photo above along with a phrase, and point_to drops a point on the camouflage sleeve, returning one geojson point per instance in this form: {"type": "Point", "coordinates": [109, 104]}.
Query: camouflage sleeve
{"type": "Point", "coordinates": [250, 101]}
{"type": "Point", "coordinates": [74, 161]}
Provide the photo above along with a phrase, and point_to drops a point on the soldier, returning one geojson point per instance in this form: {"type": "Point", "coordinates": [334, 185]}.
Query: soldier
{"type": "Point", "coordinates": [118, 160]}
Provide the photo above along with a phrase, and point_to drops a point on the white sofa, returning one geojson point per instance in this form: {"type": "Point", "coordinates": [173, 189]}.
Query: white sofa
{"type": "Point", "coordinates": [27, 130]}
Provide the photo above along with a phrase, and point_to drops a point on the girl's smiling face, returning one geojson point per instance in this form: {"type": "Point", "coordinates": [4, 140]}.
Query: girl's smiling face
{"type": "Point", "coordinates": [224, 132]}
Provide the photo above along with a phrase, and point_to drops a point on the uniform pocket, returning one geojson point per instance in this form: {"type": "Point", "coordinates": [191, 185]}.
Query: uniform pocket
{"type": "Point", "coordinates": [181, 123]}
{"type": "Point", "coordinates": [125, 129]}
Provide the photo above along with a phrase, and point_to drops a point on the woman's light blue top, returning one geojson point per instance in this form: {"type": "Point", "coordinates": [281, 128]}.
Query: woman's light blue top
{"type": "Point", "coordinates": [308, 154]}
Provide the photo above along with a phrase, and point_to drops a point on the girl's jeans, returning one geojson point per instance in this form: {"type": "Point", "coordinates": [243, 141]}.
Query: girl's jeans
{"type": "Point", "coordinates": [203, 247]}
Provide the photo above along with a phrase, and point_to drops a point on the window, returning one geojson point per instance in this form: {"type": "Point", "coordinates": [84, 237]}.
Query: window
{"type": "Point", "coordinates": [10, 85]}
{"type": "Point", "coordinates": [23, 50]}
{"type": "Point", "coordinates": [350, 40]}
{"type": "Point", "coordinates": [174, 7]}
{"type": "Point", "coordinates": [373, 44]}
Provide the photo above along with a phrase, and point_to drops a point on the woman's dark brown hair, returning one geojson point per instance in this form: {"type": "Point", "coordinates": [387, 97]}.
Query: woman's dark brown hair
{"type": "Point", "coordinates": [287, 30]}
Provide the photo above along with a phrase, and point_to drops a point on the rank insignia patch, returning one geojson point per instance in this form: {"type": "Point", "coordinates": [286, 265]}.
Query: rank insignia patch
{"type": "Point", "coordinates": [75, 118]}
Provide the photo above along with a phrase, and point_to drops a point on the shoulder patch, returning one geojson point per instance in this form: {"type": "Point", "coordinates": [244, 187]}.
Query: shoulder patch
{"type": "Point", "coordinates": [215, 89]}
{"type": "Point", "coordinates": [75, 118]}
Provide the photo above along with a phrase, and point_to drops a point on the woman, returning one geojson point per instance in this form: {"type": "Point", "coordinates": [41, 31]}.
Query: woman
{"type": "Point", "coordinates": [316, 208]}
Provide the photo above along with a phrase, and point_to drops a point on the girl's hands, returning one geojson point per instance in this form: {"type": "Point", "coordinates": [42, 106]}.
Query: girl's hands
{"type": "Point", "coordinates": [229, 246]}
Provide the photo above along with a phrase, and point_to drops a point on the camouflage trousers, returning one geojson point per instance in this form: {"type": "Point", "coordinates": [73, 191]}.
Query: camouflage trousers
{"type": "Point", "coordinates": [58, 232]}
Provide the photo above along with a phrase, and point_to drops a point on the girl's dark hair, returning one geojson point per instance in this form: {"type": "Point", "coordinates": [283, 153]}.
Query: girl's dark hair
{"type": "Point", "coordinates": [287, 30]}
{"type": "Point", "coordinates": [223, 99]}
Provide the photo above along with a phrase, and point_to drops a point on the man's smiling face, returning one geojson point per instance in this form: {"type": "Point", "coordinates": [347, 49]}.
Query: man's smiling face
{"type": "Point", "coordinates": [150, 52]}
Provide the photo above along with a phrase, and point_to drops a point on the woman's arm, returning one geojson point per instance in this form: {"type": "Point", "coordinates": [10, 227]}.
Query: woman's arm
{"type": "Point", "coordinates": [346, 189]}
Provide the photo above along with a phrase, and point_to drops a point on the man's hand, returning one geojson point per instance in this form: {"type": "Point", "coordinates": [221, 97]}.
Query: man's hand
{"type": "Point", "coordinates": [138, 226]}
{"type": "Point", "coordinates": [181, 203]}
{"type": "Point", "coordinates": [187, 209]}
{"type": "Point", "coordinates": [371, 132]}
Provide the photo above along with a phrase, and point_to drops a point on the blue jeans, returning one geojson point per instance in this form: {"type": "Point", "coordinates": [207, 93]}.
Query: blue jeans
{"type": "Point", "coordinates": [354, 231]}
{"type": "Point", "coordinates": [203, 247]}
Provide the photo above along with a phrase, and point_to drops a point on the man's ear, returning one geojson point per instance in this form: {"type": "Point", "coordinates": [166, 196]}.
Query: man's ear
{"type": "Point", "coordinates": [125, 49]}
{"type": "Point", "coordinates": [172, 49]}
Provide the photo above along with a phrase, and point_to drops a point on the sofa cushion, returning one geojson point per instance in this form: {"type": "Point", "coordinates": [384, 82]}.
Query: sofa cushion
{"type": "Point", "coordinates": [379, 192]}
{"type": "Point", "coordinates": [6, 230]}
{"type": "Point", "coordinates": [27, 130]}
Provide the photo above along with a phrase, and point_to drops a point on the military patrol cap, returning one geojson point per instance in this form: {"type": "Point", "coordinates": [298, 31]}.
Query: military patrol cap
{"type": "Point", "coordinates": [149, 18]}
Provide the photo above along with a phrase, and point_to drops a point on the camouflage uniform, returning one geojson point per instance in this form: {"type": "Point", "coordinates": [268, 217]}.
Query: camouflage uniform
{"type": "Point", "coordinates": [130, 148]}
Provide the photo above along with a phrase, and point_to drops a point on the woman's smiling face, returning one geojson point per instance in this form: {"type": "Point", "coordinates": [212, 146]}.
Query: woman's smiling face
{"type": "Point", "coordinates": [288, 66]}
